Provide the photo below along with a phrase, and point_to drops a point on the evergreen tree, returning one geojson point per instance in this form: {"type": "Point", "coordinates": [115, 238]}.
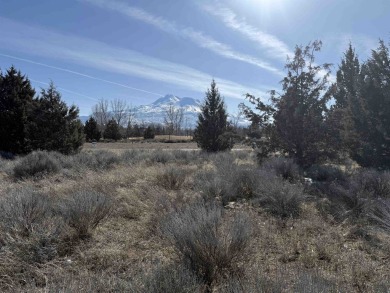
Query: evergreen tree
{"type": "Point", "coordinates": [91, 130]}
{"type": "Point", "coordinates": [53, 126]}
{"type": "Point", "coordinates": [374, 137]}
{"type": "Point", "coordinates": [149, 133]}
{"type": "Point", "coordinates": [347, 115]}
{"type": "Point", "coordinates": [295, 123]}
{"type": "Point", "coordinates": [112, 130]}
{"type": "Point", "coordinates": [16, 96]}
{"type": "Point", "coordinates": [211, 130]}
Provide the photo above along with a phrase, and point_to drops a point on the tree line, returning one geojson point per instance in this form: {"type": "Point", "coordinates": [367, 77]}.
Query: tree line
{"type": "Point", "coordinates": [314, 120]}
{"type": "Point", "coordinates": [30, 122]}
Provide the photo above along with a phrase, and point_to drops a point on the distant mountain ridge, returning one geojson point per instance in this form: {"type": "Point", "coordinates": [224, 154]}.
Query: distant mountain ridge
{"type": "Point", "coordinates": [156, 111]}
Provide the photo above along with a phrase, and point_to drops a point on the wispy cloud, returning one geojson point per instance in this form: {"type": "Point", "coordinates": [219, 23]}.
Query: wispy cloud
{"type": "Point", "coordinates": [89, 53]}
{"type": "Point", "coordinates": [197, 37]}
{"type": "Point", "coordinates": [79, 74]}
{"type": "Point", "coordinates": [273, 46]}
{"type": "Point", "coordinates": [65, 90]}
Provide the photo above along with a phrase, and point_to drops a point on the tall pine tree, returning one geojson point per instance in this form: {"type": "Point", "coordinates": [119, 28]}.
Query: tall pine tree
{"type": "Point", "coordinates": [54, 126]}
{"type": "Point", "coordinates": [16, 96]}
{"type": "Point", "coordinates": [211, 132]}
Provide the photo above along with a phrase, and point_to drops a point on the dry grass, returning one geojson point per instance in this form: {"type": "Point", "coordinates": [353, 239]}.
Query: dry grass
{"type": "Point", "coordinates": [124, 253]}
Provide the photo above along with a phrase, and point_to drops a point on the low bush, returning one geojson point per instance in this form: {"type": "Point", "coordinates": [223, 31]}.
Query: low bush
{"type": "Point", "coordinates": [210, 184]}
{"type": "Point", "coordinates": [171, 278]}
{"type": "Point", "coordinates": [184, 156]}
{"type": "Point", "coordinates": [97, 160]}
{"type": "Point", "coordinates": [209, 244]}
{"type": "Point", "coordinates": [279, 197]}
{"type": "Point", "coordinates": [373, 183]}
{"type": "Point", "coordinates": [241, 183]}
{"type": "Point", "coordinates": [381, 214]}
{"type": "Point", "coordinates": [283, 167]}
{"type": "Point", "coordinates": [171, 177]}
{"type": "Point", "coordinates": [43, 244]}
{"type": "Point", "coordinates": [84, 210]}
{"type": "Point", "coordinates": [36, 164]}
{"type": "Point", "coordinates": [346, 203]}
{"type": "Point", "coordinates": [312, 283]}
{"type": "Point", "coordinates": [326, 173]}
{"type": "Point", "coordinates": [22, 210]}
{"type": "Point", "coordinates": [133, 156]}
{"type": "Point", "coordinates": [160, 156]}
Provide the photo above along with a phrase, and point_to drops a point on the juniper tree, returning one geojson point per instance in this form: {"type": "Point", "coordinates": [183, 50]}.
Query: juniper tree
{"type": "Point", "coordinates": [91, 130]}
{"type": "Point", "coordinates": [112, 130]}
{"type": "Point", "coordinates": [374, 137]}
{"type": "Point", "coordinates": [294, 122]}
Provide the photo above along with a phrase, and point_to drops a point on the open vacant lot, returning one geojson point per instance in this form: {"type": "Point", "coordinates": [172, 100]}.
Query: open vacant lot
{"type": "Point", "coordinates": [184, 221]}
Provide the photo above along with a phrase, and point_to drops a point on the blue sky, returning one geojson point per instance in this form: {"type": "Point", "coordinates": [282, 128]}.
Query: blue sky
{"type": "Point", "coordinates": [141, 50]}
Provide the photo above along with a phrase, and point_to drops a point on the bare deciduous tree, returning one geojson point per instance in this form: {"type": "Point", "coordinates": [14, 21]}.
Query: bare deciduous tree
{"type": "Point", "coordinates": [100, 113]}
{"type": "Point", "coordinates": [119, 111]}
{"type": "Point", "coordinates": [173, 119]}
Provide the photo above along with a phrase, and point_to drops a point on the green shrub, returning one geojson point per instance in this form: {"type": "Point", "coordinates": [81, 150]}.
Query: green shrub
{"type": "Point", "coordinates": [84, 210]}
{"type": "Point", "coordinates": [209, 244]}
{"type": "Point", "coordinates": [36, 164]}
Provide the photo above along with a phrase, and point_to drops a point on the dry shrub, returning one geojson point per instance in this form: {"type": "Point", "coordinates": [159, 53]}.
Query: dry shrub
{"type": "Point", "coordinates": [282, 167]}
{"type": "Point", "coordinates": [23, 209]}
{"type": "Point", "coordinates": [36, 164]}
{"type": "Point", "coordinates": [84, 210]}
{"type": "Point", "coordinates": [160, 156]}
{"type": "Point", "coordinates": [97, 160]}
{"type": "Point", "coordinates": [171, 278]}
{"type": "Point", "coordinates": [381, 214]}
{"type": "Point", "coordinates": [314, 283]}
{"type": "Point", "coordinates": [326, 173]}
{"type": "Point", "coordinates": [371, 183]}
{"type": "Point", "coordinates": [209, 244]}
{"type": "Point", "coordinates": [280, 198]}
{"type": "Point", "coordinates": [171, 177]}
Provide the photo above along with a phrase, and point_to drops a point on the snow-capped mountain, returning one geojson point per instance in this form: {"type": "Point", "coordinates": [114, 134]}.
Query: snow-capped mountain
{"type": "Point", "coordinates": [156, 111]}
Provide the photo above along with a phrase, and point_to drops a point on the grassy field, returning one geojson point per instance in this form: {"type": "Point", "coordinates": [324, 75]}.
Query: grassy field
{"type": "Point", "coordinates": [165, 142]}
{"type": "Point", "coordinates": [145, 220]}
